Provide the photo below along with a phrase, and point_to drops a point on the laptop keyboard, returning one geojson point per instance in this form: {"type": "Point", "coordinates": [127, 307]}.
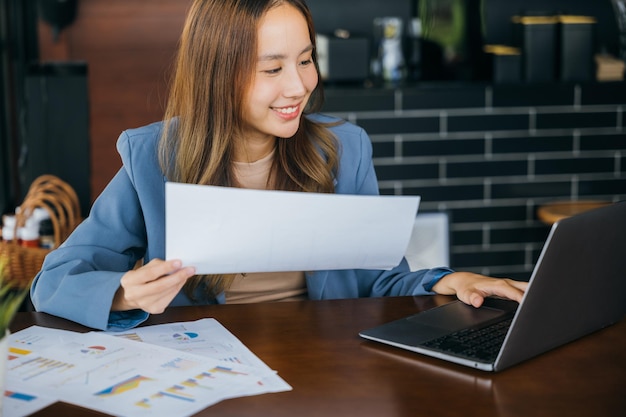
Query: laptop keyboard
{"type": "Point", "coordinates": [482, 344]}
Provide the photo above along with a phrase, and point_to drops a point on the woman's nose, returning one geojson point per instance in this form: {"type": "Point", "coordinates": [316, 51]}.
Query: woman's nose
{"type": "Point", "coordinates": [294, 85]}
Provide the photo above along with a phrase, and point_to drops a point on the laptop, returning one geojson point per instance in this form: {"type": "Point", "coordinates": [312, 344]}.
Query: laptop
{"type": "Point", "coordinates": [577, 287]}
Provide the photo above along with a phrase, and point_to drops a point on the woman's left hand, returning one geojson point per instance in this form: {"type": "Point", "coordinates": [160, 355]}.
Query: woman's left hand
{"type": "Point", "coordinates": [473, 288]}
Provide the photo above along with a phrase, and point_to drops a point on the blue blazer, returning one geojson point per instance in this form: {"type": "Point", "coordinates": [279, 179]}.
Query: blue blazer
{"type": "Point", "coordinates": [127, 222]}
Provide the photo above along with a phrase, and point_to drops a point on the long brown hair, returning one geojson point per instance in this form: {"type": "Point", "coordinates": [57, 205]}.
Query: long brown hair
{"type": "Point", "coordinates": [214, 69]}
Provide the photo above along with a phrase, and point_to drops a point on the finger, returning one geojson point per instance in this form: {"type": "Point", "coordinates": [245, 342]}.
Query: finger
{"type": "Point", "coordinates": [476, 299]}
{"type": "Point", "coordinates": [175, 279]}
{"type": "Point", "coordinates": [154, 296]}
{"type": "Point", "coordinates": [471, 296]}
{"type": "Point", "coordinates": [520, 285]}
{"type": "Point", "coordinates": [146, 273]}
{"type": "Point", "coordinates": [505, 288]}
{"type": "Point", "coordinates": [158, 268]}
{"type": "Point", "coordinates": [475, 295]}
{"type": "Point", "coordinates": [155, 278]}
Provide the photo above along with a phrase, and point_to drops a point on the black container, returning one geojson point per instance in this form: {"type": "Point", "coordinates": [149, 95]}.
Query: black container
{"type": "Point", "coordinates": [576, 35]}
{"type": "Point", "coordinates": [343, 60]}
{"type": "Point", "coordinates": [504, 63]}
{"type": "Point", "coordinates": [537, 38]}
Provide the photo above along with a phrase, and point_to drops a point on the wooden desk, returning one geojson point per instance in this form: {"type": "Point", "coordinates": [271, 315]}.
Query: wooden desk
{"type": "Point", "coordinates": [314, 346]}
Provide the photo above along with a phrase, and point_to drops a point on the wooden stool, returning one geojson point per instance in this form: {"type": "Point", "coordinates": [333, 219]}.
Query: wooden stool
{"type": "Point", "coordinates": [551, 213]}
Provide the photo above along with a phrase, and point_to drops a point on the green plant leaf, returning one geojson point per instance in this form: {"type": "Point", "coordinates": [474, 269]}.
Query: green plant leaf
{"type": "Point", "coordinates": [11, 297]}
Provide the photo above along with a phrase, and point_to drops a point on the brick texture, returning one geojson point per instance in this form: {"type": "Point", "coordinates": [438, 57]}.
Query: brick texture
{"type": "Point", "coordinates": [491, 155]}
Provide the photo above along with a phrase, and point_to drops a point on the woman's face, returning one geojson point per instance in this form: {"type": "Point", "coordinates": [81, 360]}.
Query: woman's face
{"type": "Point", "coordinates": [284, 77]}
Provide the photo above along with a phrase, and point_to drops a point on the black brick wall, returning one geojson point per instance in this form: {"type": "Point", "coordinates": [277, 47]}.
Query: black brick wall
{"type": "Point", "coordinates": [490, 155]}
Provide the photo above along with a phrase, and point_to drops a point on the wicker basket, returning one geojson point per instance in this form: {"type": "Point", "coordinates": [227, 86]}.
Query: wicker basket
{"type": "Point", "coordinates": [61, 202]}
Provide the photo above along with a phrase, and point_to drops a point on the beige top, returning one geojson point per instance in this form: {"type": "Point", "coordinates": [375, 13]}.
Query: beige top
{"type": "Point", "coordinates": [265, 286]}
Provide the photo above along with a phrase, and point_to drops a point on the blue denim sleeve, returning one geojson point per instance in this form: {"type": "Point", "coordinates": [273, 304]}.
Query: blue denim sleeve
{"type": "Point", "coordinates": [124, 320]}
{"type": "Point", "coordinates": [436, 277]}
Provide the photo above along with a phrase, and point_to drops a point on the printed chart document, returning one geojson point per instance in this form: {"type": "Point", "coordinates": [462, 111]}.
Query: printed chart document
{"type": "Point", "coordinates": [23, 399]}
{"type": "Point", "coordinates": [233, 230]}
{"type": "Point", "coordinates": [123, 377]}
{"type": "Point", "coordinates": [206, 337]}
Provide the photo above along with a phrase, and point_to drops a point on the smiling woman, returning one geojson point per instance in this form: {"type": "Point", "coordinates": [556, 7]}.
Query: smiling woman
{"type": "Point", "coordinates": [284, 79]}
{"type": "Point", "coordinates": [242, 112]}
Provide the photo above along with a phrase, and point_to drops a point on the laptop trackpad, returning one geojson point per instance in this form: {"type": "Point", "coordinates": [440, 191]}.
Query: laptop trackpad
{"type": "Point", "coordinates": [438, 321]}
{"type": "Point", "coordinates": [455, 316]}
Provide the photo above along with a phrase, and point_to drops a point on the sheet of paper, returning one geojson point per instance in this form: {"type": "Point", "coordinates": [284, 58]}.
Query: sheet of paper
{"type": "Point", "coordinates": [122, 377]}
{"type": "Point", "coordinates": [206, 337]}
{"type": "Point", "coordinates": [234, 230]}
{"type": "Point", "coordinates": [23, 401]}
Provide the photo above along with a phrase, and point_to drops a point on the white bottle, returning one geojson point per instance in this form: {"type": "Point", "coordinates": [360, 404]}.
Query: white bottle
{"type": "Point", "coordinates": [28, 234]}
{"type": "Point", "coordinates": [8, 227]}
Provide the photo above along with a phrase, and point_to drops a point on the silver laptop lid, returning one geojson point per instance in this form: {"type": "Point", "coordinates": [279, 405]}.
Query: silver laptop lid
{"type": "Point", "coordinates": [578, 285]}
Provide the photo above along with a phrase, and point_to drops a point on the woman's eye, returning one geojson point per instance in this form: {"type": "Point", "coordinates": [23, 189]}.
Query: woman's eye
{"type": "Point", "coordinates": [272, 71]}
{"type": "Point", "coordinates": [306, 61]}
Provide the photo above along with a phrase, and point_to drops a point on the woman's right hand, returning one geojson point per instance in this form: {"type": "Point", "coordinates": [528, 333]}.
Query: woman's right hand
{"type": "Point", "coordinates": [151, 287]}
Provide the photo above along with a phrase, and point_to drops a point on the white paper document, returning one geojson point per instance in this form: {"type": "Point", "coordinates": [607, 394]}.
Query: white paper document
{"type": "Point", "coordinates": [206, 337]}
{"type": "Point", "coordinates": [122, 377]}
{"type": "Point", "coordinates": [233, 230]}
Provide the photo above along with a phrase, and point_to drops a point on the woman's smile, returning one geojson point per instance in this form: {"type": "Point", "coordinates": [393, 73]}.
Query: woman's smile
{"type": "Point", "coordinates": [287, 113]}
